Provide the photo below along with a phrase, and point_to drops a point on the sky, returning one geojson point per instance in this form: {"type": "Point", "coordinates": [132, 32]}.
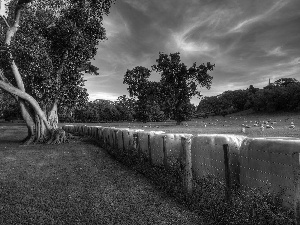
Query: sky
{"type": "Point", "coordinates": [249, 41]}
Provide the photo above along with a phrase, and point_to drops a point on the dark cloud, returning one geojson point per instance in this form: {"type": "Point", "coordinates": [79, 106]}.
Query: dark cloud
{"type": "Point", "coordinates": [250, 41]}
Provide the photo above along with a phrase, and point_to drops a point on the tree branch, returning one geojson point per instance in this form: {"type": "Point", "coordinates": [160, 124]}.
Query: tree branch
{"type": "Point", "coordinates": [28, 98]}
{"type": "Point", "coordinates": [9, 35]}
{"type": "Point", "coordinates": [5, 21]}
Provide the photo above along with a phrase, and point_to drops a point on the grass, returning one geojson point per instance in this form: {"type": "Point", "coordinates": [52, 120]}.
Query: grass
{"type": "Point", "coordinates": [222, 125]}
{"type": "Point", "coordinates": [77, 183]}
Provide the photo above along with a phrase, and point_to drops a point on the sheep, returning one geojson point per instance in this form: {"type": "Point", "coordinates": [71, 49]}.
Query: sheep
{"type": "Point", "coordinates": [292, 126]}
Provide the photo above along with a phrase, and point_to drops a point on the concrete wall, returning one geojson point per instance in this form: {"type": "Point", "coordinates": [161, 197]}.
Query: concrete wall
{"type": "Point", "coordinates": [208, 155]}
{"type": "Point", "coordinates": [272, 164]}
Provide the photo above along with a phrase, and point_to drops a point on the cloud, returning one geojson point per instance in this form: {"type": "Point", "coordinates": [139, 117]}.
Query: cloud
{"type": "Point", "coordinates": [139, 5]}
{"type": "Point", "coordinates": [276, 51]}
{"type": "Point", "coordinates": [295, 61]}
{"type": "Point", "coordinates": [103, 95]}
{"type": "Point", "coordinates": [245, 23]}
{"type": "Point", "coordinates": [2, 7]}
{"type": "Point", "coordinates": [249, 41]}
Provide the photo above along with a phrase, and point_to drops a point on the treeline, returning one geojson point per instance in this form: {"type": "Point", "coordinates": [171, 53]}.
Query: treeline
{"type": "Point", "coordinates": [282, 95]}
{"type": "Point", "coordinates": [124, 109]}
{"type": "Point", "coordinates": [102, 110]}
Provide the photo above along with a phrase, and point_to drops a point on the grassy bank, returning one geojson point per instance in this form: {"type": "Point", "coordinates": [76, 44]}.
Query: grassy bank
{"type": "Point", "coordinates": [223, 125]}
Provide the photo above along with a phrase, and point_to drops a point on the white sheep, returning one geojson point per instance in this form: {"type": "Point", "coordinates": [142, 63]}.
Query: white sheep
{"type": "Point", "coordinates": [269, 126]}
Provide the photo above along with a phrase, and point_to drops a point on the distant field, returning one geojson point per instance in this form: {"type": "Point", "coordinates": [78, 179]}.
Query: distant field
{"type": "Point", "coordinates": [222, 125]}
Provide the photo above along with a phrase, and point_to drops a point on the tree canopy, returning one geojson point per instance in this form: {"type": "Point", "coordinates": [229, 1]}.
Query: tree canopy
{"type": "Point", "coordinates": [282, 95]}
{"type": "Point", "coordinates": [45, 48]}
{"type": "Point", "coordinates": [170, 97]}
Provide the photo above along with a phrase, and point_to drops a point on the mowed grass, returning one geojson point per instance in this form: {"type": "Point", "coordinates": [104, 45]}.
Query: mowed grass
{"type": "Point", "coordinates": [230, 124]}
{"type": "Point", "coordinates": [77, 183]}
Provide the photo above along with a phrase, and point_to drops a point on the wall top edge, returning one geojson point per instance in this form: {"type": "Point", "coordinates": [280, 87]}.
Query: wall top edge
{"type": "Point", "coordinates": [199, 135]}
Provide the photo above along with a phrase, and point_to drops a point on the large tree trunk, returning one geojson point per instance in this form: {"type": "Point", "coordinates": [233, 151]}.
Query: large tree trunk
{"type": "Point", "coordinates": [42, 127]}
{"type": "Point", "coordinates": [42, 134]}
{"type": "Point", "coordinates": [38, 131]}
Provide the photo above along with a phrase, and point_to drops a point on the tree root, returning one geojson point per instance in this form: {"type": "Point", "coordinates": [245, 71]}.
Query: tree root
{"type": "Point", "coordinates": [29, 140]}
{"type": "Point", "coordinates": [57, 136]}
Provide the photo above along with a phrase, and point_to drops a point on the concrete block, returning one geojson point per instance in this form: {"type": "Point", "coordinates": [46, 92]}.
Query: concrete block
{"type": "Point", "coordinates": [97, 132]}
{"type": "Point", "coordinates": [94, 131]}
{"type": "Point", "coordinates": [120, 133]}
{"type": "Point", "coordinates": [142, 143]}
{"type": "Point", "coordinates": [128, 139]}
{"type": "Point", "coordinates": [174, 148]}
{"type": "Point", "coordinates": [208, 155]}
{"type": "Point", "coordinates": [85, 130]}
{"type": "Point", "coordinates": [271, 165]}
{"type": "Point", "coordinates": [156, 142]}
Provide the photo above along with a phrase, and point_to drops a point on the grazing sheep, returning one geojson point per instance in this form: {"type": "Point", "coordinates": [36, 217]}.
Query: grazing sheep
{"type": "Point", "coordinates": [269, 126]}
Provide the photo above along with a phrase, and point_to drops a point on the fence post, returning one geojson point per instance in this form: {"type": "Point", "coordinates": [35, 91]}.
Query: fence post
{"type": "Point", "coordinates": [187, 163]}
{"type": "Point", "coordinates": [116, 147]}
{"type": "Point", "coordinates": [123, 143]}
{"type": "Point", "coordinates": [165, 161]}
{"type": "Point", "coordinates": [227, 173]}
{"type": "Point", "coordinates": [107, 143]}
{"type": "Point", "coordinates": [149, 150]}
{"type": "Point", "coordinates": [101, 138]}
{"type": "Point", "coordinates": [135, 141]}
{"type": "Point", "coordinates": [137, 145]}
{"type": "Point", "coordinates": [130, 145]}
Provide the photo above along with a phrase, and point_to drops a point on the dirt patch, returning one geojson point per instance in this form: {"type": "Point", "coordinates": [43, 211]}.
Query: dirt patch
{"type": "Point", "coordinates": [77, 183]}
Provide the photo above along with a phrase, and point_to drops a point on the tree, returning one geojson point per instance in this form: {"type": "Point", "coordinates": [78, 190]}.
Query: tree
{"type": "Point", "coordinates": [43, 55]}
{"type": "Point", "coordinates": [147, 93]}
{"type": "Point", "coordinates": [180, 83]}
{"type": "Point", "coordinates": [171, 95]}
{"type": "Point", "coordinates": [126, 107]}
{"type": "Point", "coordinates": [284, 82]}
